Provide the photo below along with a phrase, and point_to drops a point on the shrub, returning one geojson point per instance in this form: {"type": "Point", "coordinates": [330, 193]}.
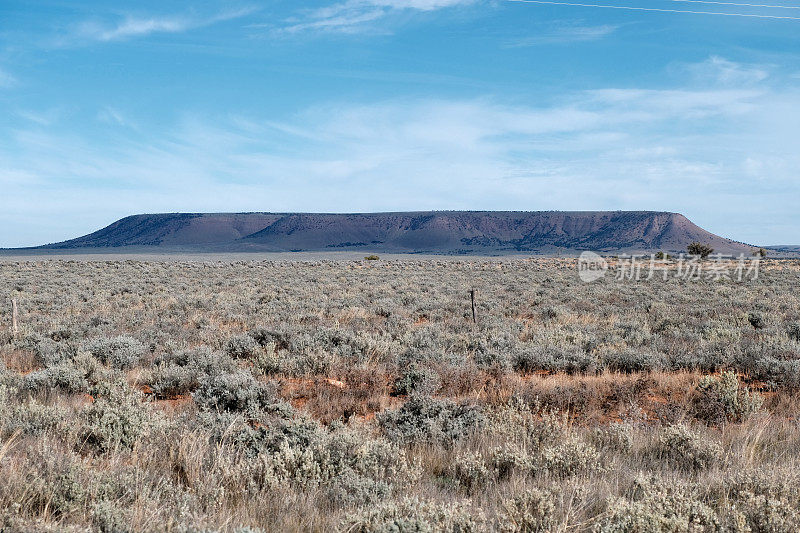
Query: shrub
{"type": "Point", "coordinates": [173, 381]}
{"type": "Point", "coordinates": [416, 379]}
{"type": "Point", "coordinates": [411, 514]}
{"type": "Point", "coordinates": [630, 360]}
{"type": "Point", "coordinates": [569, 458]}
{"type": "Point", "coordinates": [756, 320]}
{"type": "Point", "coordinates": [265, 337]}
{"type": "Point", "coordinates": [242, 347]}
{"type": "Point", "coordinates": [202, 358]}
{"type": "Point", "coordinates": [529, 428]}
{"type": "Point", "coordinates": [686, 450]}
{"type": "Point", "coordinates": [269, 362]}
{"type": "Point", "coordinates": [46, 351]}
{"type": "Point", "coordinates": [351, 489]}
{"type": "Point", "coordinates": [699, 249]}
{"type": "Point", "coordinates": [507, 460]}
{"type": "Point", "coordinates": [299, 354]}
{"type": "Point", "coordinates": [552, 359]}
{"type": "Point", "coordinates": [350, 468]}
{"type": "Point", "coordinates": [423, 419]}
{"type": "Point", "coordinates": [469, 470]}
{"type": "Point", "coordinates": [793, 331]}
{"type": "Point", "coordinates": [108, 517]}
{"type": "Point", "coordinates": [765, 500]}
{"type": "Point", "coordinates": [61, 334]}
{"type": "Point", "coordinates": [55, 480]}
{"type": "Point", "coordinates": [492, 359]}
{"type": "Point", "coordinates": [762, 513]}
{"type": "Point", "coordinates": [180, 373]}
{"type": "Point", "coordinates": [532, 511]}
{"type": "Point", "coordinates": [371, 258]}
{"type": "Point", "coordinates": [117, 417]}
{"type": "Point", "coordinates": [551, 313]}
{"type": "Point", "coordinates": [267, 438]}
{"type": "Point", "coordinates": [634, 333]}
{"type": "Point", "coordinates": [233, 391]}
{"type": "Point", "coordinates": [63, 377]}
{"type": "Point", "coordinates": [655, 505]}
{"type": "Point", "coordinates": [34, 418]}
{"type": "Point", "coordinates": [613, 437]}
{"type": "Point", "coordinates": [118, 352]}
{"type": "Point", "coordinates": [724, 399]}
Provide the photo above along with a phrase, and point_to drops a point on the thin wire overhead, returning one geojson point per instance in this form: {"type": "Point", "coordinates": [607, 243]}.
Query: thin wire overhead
{"type": "Point", "coordinates": [771, 6]}
{"type": "Point", "coordinates": [660, 10]}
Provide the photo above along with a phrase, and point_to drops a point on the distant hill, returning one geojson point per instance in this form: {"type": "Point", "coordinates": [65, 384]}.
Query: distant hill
{"type": "Point", "coordinates": [785, 248]}
{"type": "Point", "coordinates": [441, 232]}
{"type": "Point", "coordinates": [173, 229]}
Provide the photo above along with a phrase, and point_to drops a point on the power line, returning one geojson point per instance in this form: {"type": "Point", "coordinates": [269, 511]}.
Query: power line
{"type": "Point", "coordinates": [631, 8]}
{"type": "Point", "coordinates": [735, 4]}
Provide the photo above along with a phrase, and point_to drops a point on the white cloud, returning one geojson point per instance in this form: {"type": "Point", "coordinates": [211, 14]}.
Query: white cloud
{"type": "Point", "coordinates": [566, 33]}
{"type": "Point", "coordinates": [719, 70]}
{"type": "Point", "coordinates": [354, 16]}
{"type": "Point", "coordinates": [343, 22]}
{"type": "Point", "coordinates": [133, 26]}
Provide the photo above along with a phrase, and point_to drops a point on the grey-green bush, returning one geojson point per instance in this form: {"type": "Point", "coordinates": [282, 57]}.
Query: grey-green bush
{"type": "Point", "coordinates": [423, 419]}
{"type": "Point", "coordinates": [725, 399]}
{"type": "Point", "coordinates": [116, 418]}
{"type": "Point", "coordinates": [686, 450]}
{"type": "Point", "coordinates": [242, 347]}
{"type": "Point", "coordinates": [419, 380]}
{"type": "Point", "coordinates": [118, 352]}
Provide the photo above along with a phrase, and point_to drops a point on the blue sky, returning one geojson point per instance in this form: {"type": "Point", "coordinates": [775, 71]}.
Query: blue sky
{"type": "Point", "coordinates": [114, 108]}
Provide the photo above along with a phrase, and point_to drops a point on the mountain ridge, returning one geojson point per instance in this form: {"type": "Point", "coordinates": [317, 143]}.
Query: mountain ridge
{"type": "Point", "coordinates": [438, 232]}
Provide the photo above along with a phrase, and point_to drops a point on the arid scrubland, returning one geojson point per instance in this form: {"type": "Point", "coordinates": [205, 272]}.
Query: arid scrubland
{"type": "Point", "coordinates": [360, 396]}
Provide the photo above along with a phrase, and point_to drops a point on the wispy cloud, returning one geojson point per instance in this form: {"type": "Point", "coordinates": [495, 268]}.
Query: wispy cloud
{"type": "Point", "coordinates": [111, 115]}
{"type": "Point", "coordinates": [7, 80]}
{"type": "Point", "coordinates": [46, 117]}
{"type": "Point", "coordinates": [138, 26]}
{"type": "Point", "coordinates": [565, 33]}
{"type": "Point", "coordinates": [354, 16]}
{"type": "Point", "coordinates": [722, 71]}
{"type": "Point", "coordinates": [133, 27]}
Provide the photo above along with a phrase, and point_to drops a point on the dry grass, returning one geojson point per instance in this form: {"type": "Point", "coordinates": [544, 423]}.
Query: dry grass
{"type": "Point", "coordinates": [266, 395]}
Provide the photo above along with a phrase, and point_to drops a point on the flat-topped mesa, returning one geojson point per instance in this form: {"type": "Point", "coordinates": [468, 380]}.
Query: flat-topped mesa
{"type": "Point", "coordinates": [478, 232]}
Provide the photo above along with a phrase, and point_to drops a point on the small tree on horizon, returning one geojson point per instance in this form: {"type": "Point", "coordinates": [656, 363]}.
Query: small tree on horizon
{"type": "Point", "coordinates": [699, 249]}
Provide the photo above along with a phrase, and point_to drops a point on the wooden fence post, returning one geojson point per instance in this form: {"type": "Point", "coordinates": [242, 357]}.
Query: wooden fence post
{"type": "Point", "coordinates": [14, 313]}
{"type": "Point", "coordinates": [472, 297]}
